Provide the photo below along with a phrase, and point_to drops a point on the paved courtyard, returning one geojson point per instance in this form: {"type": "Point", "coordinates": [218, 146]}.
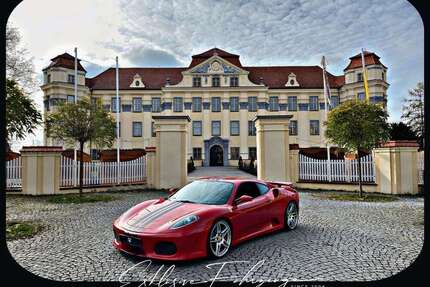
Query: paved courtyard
{"type": "Point", "coordinates": [334, 241]}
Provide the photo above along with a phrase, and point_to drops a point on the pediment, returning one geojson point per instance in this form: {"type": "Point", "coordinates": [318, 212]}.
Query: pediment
{"type": "Point", "coordinates": [216, 65]}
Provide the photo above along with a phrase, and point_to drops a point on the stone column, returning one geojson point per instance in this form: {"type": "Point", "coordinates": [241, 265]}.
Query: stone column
{"type": "Point", "coordinates": [396, 167]}
{"type": "Point", "coordinates": [170, 158]}
{"type": "Point", "coordinates": [273, 147]}
{"type": "Point", "coordinates": [41, 169]}
{"type": "Point", "coordinates": [150, 166]}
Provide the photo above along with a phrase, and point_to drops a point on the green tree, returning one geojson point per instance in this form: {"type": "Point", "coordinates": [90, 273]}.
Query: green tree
{"type": "Point", "coordinates": [356, 125]}
{"type": "Point", "coordinates": [22, 116]}
{"type": "Point", "coordinates": [401, 131]}
{"type": "Point", "coordinates": [81, 122]}
{"type": "Point", "coordinates": [413, 111]}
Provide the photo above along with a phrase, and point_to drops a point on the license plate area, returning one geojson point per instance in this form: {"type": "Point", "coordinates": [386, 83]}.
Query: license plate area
{"type": "Point", "coordinates": [131, 241]}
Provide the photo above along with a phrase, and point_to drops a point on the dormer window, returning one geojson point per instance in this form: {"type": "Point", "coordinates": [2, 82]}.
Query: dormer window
{"type": "Point", "coordinates": [234, 81]}
{"type": "Point", "coordinates": [197, 81]}
{"type": "Point", "coordinates": [359, 77]}
{"type": "Point", "coordinates": [292, 81]}
{"type": "Point", "coordinates": [215, 81]}
{"type": "Point", "coordinates": [49, 78]}
{"type": "Point", "coordinates": [383, 75]}
{"type": "Point", "coordinates": [137, 82]}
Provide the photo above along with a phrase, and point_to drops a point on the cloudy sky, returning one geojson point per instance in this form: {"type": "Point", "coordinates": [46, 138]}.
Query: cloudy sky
{"type": "Point", "coordinates": [262, 32]}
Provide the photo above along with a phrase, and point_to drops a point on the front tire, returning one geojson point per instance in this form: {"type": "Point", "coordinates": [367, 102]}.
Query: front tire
{"type": "Point", "coordinates": [291, 218]}
{"type": "Point", "coordinates": [219, 240]}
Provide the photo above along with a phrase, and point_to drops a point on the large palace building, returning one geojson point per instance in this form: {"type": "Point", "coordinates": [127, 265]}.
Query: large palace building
{"type": "Point", "coordinates": [221, 97]}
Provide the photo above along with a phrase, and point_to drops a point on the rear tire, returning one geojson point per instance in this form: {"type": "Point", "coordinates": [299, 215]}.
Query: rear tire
{"type": "Point", "coordinates": [291, 217]}
{"type": "Point", "coordinates": [219, 239]}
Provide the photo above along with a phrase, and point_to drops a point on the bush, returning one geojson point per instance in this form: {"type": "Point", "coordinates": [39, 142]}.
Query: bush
{"type": "Point", "coordinates": [76, 198]}
{"type": "Point", "coordinates": [21, 229]}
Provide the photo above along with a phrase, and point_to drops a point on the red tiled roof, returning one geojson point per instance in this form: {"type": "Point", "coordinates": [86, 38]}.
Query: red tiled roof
{"type": "Point", "coordinates": [152, 78]}
{"type": "Point", "coordinates": [370, 58]}
{"type": "Point", "coordinates": [307, 76]}
{"type": "Point", "coordinates": [155, 78]}
{"type": "Point", "coordinates": [199, 58]}
{"type": "Point", "coordinates": [66, 61]}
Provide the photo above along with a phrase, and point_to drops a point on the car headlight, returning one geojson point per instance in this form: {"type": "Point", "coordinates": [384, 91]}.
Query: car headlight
{"type": "Point", "coordinates": [184, 221]}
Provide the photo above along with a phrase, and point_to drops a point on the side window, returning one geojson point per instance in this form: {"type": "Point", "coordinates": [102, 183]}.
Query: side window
{"type": "Point", "coordinates": [247, 188]}
{"type": "Point", "coordinates": [262, 188]}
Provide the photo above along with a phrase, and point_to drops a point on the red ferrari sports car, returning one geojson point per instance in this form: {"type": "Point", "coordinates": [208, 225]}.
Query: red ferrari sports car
{"type": "Point", "coordinates": [205, 218]}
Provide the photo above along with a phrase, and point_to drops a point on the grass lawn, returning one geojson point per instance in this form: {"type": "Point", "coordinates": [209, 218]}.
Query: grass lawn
{"type": "Point", "coordinates": [21, 229]}
{"type": "Point", "coordinates": [367, 197]}
{"type": "Point", "coordinates": [85, 198]}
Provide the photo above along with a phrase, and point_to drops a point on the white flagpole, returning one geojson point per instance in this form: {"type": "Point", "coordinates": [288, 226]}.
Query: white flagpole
{"type": "Point", "coordinates": [117, 122]}
{"type": "Point", "coordinates": [326, 91]}
{"type": "Point", "coordinates": [75, 155]}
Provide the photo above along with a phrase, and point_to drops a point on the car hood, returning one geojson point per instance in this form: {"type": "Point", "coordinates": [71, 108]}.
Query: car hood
{"type": "Point", "coordinates": [159, 216]}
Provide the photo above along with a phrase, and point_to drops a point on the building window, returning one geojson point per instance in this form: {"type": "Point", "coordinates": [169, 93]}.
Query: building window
{"type": "Point", "coordinates": [234, 153]}
{"type": "Point", "coordinates": [137, 129]}
{"type": "Point", "coordinates": [94, 154]}
{"type": "Point", "coordinates": [252, 153]}
{"type": "Point", "coordinates": [71, 79]}
{"type": "Point", "coordinates": [361, 96]}
{"type": "Point", "coordinates": [234, 128]}
{"type": "Point", "coordinates": [197, 128]}
{"type": "Point", "coordinates": [292, 127]}
{"type": "Point", "coordinates": [216, 104]}
{"type": "Point", "coordinates": [156, 105]}
{"type": "Point", "coordinates": [234, 104]}
{"type": "Point", "coordinates": [197, 104]}
{"type": "Point", "coordinates": [383, 75]}
{"type": "Point", "coordinates": [273, 104]}
{"type": "Point", "coordinates": [106, 107]}
{"type": "Point", "coordinates": [234, 82]}
{"type": "Point", "coordinates": [177, 104]}
{"type": "Point", "coordinates": [137, 105]}
{"type": "Point", "coordinates": [314, 127]}
{"type": "Point", "coordinates": [197, 153]}
{"type": "Point", "coordinates": [126, 108]}
{"type": "Point", "coordinates": [313, 103]}
{"type": "Point", "coordinates": [359, 77]}
{"type": "Point", "coordinates": [252, 104]}
{"type": "Point", "coordinates": [334, 101]}
{"type": "Point", "coordinates": [197, 81]}
{"type": "Point", "coordinates": [292, 103]}
{"type": "Point", "coordinates": [215, 81]}
{"type": "Point", "coordinates": [49, 78]}
{"type": "Point", "coordinates": [216, 128]}
{"type": "Point", "coordinates": [153, 133]}
{"type": "Point", "coordinates": [70, 99]}
{"type": "Point", "coordinates": [114, 105]}
{"type": "Point", "coordinates": [252, 131]}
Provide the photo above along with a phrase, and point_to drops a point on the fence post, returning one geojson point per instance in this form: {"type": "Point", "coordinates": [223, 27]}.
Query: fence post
{"type": "Point", "coordinates": [396, 167]}
{"type": "Point", "coordinates": [150, 166]}
{"type": "Point", "coordinates": [294, 163]}
{"type": "Point", "coordinates": [41, 169]}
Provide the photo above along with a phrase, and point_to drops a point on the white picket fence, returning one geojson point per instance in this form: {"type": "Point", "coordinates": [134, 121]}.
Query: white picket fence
{"type": "Point", "coordinates": [311, 169]}
{"type": "Point", "coordinates": [13, 173]}
{"type": "Point", "coordinates": [420, 163]}
{"type": "Point", "coordinates": [102, 173]}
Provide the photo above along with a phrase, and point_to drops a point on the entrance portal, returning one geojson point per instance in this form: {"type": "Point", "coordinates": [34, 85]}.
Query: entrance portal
{"type": "Point", "coordinates": [216, 156]}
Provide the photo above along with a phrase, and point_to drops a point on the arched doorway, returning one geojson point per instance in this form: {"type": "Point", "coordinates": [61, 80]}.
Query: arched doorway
{"type": "Point", "coordinates": [216, 156]}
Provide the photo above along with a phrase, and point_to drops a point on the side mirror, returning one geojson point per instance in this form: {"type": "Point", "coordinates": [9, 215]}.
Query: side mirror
{"type": "Point", "coordinates": [275, 192]}
{"type": "Point", "coordinates": [172, 191]}
{"type": "Point", "coordinates": [243, 198]}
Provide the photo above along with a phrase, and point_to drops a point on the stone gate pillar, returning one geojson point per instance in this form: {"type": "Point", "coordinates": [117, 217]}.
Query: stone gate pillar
{"type": "Point", "coordinates": [41, 172]}
{"type": "Point", "coordinates": [273, 157]}
{"type": "Point", "coordinates": [396, 167]}
{"type": "Point", "coordinates": [171, 151]}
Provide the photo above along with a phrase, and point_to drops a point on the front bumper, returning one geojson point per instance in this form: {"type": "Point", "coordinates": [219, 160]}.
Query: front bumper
{"type": "Point", "coordinates": [188, 243]}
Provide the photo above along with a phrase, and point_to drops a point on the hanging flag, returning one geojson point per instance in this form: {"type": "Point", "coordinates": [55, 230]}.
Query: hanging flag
{"type": "Point", "coordinates": [366, 88]}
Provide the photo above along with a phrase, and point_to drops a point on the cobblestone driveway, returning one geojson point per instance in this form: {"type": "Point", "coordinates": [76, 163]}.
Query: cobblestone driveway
{"type": "Point", "coordinates": [334, 241]}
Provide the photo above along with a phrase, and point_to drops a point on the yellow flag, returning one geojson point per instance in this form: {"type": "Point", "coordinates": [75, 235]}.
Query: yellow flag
{"type": "Point", "coordinates": [366, 88]}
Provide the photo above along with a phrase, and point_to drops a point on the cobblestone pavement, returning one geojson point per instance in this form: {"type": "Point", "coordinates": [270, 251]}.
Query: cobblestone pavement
{"type": "Point", "coordinates": [218, 171]}
{"type": "Point", "coordinates": [334, 241]}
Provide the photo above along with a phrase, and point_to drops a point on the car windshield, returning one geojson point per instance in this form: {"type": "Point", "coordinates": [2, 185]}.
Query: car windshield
{"type": "Point", "coordinates": [204, 192]}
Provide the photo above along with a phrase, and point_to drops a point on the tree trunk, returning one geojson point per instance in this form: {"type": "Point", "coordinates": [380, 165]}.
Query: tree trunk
{"type": "Point", "coordinates": [360, 194]}
{"type": "Point", "coordinates": [81, 167]}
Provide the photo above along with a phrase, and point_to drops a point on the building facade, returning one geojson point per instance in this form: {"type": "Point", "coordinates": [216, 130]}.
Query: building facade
{"type": "Point", "coordinates": [221, 97]}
